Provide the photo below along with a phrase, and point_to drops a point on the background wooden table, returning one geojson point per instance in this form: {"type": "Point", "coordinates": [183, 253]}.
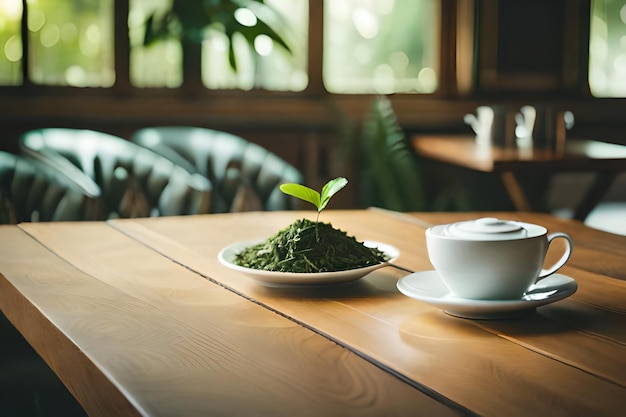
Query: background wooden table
{"type": "Point", "coordinates": [512, 165]}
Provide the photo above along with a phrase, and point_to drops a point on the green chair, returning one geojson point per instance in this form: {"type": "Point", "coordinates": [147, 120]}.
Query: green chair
{"type": "Point", "coordinates": [135, 181]}
{"type": "Point", "coordinates": [32, 191]}
{"type": "Point", "coordinates": [245, 176]}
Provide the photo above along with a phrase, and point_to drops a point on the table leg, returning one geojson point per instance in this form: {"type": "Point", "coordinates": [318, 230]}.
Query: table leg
{"type": "Point", "coordinates": [594, 194]}
{"type": "Point", "coordinates": [515, 191]}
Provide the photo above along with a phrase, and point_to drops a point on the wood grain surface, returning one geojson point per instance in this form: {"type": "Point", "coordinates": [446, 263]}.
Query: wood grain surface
{"type": "Point", "coordinates": [132, 333]}
{"type": "Point", "coordinates": [568, 358]}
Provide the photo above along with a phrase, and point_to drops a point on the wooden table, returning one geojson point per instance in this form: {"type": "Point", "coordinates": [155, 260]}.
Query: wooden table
{"type": "Point", "coordinates": [606, 160]}
{"type": "Point", "coordinates": [139, 318]}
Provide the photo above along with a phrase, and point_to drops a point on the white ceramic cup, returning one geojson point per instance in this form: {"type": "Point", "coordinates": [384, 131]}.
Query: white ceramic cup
{"type": "Point", "coordinates": [542, 126]}
{"type": "Point", "coordinates": [490, 123]}
{"type": "Point", "coordinates": [491, 259]}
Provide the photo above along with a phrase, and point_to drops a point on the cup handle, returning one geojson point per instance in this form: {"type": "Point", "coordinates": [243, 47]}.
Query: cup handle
{"type": "Point", "coordinates": [472, 121]}
{"type": "Point", "coordinates": [568, 251]}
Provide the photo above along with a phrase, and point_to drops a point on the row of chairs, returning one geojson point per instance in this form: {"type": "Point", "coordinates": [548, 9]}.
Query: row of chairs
{"type": "Point", "coordinates": [77, 174]}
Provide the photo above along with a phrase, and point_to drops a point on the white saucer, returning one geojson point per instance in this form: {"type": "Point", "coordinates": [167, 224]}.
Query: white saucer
{"type": "Point", "coordinates": [428, 287]}
{"type": "Point", "coordinates": [289, 279]}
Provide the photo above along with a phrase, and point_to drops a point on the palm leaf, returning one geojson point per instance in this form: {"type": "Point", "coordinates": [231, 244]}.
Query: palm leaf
{"type": "Point", "coordinates": [261, 28]}
{"type": "Point", "coordinates": [391, 176]}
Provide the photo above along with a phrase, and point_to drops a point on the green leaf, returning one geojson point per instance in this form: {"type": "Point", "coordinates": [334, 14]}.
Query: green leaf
{"type": "Point", "coordinates": [307, 194]}
{"type": "Point", "coordinates": [330, 189]}
{"type": "Point", "coordinates": [390, 172]}
{"type": "Point", "coordinates": [303, 193]}
{"type": "Point", "coordinates": [261, 28]}
{"type": "Point", "coordinates": [232, 58]}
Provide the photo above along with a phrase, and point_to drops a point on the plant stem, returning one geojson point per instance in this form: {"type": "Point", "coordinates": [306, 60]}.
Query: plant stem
{"type": "Point", "coordinates": [317, 220]}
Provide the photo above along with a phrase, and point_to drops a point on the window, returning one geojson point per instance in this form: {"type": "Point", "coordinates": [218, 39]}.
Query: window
{"type": "Point", "coordinates": [71, 43]}
{"type": "Point", "coordinates": [369, 46]}
{"type": "Point", "coordinates": [607, 48]}
{"type": "Point", "coordinates": [270, 68]}
{"type": "Point", "coordinates": [11, 42]}
{"type": "Point", "coordinates": [157, 65]}
{"type": "Point", "coordinates": [380, 46]}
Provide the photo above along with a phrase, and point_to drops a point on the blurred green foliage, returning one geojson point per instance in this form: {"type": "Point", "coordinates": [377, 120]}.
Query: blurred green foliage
{"type": "Point", "coordinates": [188, 20]}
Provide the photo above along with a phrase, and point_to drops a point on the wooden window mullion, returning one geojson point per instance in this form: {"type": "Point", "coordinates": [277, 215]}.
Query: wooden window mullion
{"type": "Point", "coordinates": [315, 63]}
{"type": "Point", "coordinates": [121, 47]}
{"type": "Point", "coordinates": [26, 82]}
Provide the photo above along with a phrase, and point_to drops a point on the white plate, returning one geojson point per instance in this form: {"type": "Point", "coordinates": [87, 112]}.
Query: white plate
{"type": "Point", "coordinates": [280, 279]}
{"type": "Point", "coordinates": [428, 287]}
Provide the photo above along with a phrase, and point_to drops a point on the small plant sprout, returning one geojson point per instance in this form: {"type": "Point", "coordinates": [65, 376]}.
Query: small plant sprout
{"type": "Point", "coordinates": [310, 195]}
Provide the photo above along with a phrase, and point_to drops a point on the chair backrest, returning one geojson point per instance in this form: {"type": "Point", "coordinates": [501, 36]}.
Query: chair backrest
{"type": "Point", "coordinates": [245, 176]}
{"type": "Point", "coordinates": [32, 191]}
{"type": "Point", "coordinates": [135, 181]}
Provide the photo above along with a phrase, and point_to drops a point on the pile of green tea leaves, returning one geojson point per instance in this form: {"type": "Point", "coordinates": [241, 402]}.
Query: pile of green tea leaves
{"type": "Point", "coordinates": [303, 248]}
